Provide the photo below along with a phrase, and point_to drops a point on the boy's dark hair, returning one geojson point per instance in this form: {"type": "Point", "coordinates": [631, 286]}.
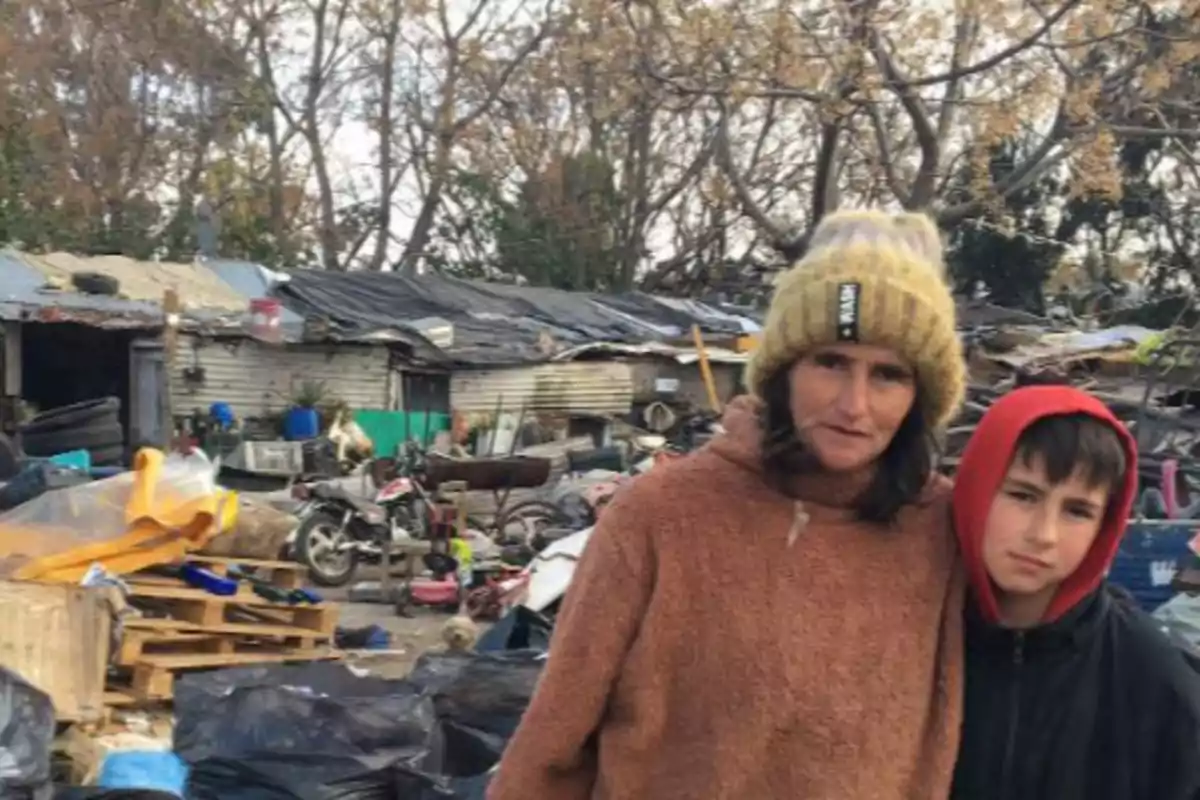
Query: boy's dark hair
{"type": "Point", "coordinates": [1070, 443]}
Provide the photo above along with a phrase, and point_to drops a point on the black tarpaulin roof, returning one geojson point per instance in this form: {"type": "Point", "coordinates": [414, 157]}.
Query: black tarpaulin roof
{"type": "Point", "coordinates": [493, 323]}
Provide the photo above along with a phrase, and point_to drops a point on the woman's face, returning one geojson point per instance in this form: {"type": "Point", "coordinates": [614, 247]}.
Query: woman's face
{"type": "Point", "coordinates": [848, 401]}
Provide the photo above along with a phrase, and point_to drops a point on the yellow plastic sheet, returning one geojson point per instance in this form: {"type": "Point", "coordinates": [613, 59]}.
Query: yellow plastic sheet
{"type": "Point", "coordinates": [166, 507]}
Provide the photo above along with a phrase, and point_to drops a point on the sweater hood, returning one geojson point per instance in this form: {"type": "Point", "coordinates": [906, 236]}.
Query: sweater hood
{"type": "Point", "coordinates": [985, 462]}
{"type": "Point", "coordinates": [741, 440]}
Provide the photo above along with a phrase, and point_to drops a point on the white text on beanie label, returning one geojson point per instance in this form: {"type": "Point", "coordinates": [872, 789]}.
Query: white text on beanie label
{"type": "Point", "coordinates": [847, 313]}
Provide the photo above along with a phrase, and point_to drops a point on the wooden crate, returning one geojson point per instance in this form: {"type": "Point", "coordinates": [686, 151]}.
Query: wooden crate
{"type": "Point", "coordinates": [56, 637]}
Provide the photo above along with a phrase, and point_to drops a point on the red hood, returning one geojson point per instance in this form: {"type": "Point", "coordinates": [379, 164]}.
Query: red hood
{"type": "Point", "coordinates": [983, 467]}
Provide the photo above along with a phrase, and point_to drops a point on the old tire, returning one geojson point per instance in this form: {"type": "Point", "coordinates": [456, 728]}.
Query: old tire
{"type": "Point", "coordinates": [60, 441]}
{"type": "Point", "coordinates": [10, 458]}
{"type": "Point", "coordinates": [96, 283]}
{"type": "Point", "coordinates": [112, 455]}
{"type": "Point", "coordinates": [76, 415]}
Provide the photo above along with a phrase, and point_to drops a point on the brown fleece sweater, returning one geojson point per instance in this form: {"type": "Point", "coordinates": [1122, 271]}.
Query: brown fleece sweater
{"type": "Point", "coordinates": [699, 656]}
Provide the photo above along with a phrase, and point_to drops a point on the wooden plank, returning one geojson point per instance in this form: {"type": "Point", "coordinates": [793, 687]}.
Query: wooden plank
{"type": "Point", "coordinates": [133, 644]}
{"type": "Point", "coordinates": [205, 661]}
{"type": "Point", "coordinates": [179, 591]}
{"type": "Point", "coordinates": [235, 628]}
{"type": "Point", "coordinates": [249, 562]}
{"type": "Point", "coordinates": [136, 648]}
{"type": "Point", "coordinates": [202, 608]}
{"type": "Point", "coordinates": [223, 638]}
{"type": "Point", "coordinates": [56, 637]}
{"type": "Point", "coordinates": [119, 696]}
{"type": "Point", "coordinates": [154, 676]}
{"type": "Point", "coordinates": [283, 574]}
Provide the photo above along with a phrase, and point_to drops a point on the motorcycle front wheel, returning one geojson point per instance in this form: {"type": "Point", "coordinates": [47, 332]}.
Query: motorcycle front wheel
{"type": "Point", "coordinates": [317, 547]}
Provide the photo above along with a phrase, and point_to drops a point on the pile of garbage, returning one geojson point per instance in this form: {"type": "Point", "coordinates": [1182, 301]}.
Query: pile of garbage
{"type": "Point", "coordinates": [318, 731]}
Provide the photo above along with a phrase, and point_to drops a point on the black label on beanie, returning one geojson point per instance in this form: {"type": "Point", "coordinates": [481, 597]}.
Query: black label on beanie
{"type": "Point", "coordinates": [847, 311]}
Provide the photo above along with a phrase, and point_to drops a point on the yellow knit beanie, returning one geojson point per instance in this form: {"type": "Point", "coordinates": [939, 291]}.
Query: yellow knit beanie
{"type": "Point", "coordinates": [873, 278]}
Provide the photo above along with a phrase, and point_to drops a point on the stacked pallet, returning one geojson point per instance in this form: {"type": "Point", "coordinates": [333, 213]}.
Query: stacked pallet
{"type": "Point", "coordinates": [181, 628]}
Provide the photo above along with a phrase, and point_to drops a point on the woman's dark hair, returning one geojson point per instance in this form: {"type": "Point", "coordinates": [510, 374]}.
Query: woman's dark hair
{"type": "Point", "coordinates": [904, 468]}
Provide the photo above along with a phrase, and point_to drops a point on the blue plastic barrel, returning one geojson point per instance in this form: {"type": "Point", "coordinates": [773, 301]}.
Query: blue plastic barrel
{"type": "Point", "coordinates": [1150, 555]}
{"type": "Point", "coordinates": [300, 424]}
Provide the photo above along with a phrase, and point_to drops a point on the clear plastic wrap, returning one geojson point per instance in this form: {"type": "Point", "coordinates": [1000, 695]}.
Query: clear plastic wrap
{"type": "Point", "coordinates": [164, 507]}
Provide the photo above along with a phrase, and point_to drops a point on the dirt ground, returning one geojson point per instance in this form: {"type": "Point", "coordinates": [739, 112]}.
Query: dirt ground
{"type": "Point", "coordinates": [411, 636]}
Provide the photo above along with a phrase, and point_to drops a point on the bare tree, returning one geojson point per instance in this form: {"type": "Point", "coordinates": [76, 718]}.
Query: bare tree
{"type": "Point", "coordinates": [380, 64]}
{"type": "Point", "coordinates": [462, 64]}
{"type": "Point", "coordinates": [585, 98]}
{"type": "Point", "coordinates": [893, 109]}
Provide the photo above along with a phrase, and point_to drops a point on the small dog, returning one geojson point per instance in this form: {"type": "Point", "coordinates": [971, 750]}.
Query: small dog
{"type": "Point", "coordinates": [459, 634]}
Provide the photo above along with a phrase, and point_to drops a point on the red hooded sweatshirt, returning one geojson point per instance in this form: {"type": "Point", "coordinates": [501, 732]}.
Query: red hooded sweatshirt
{"type": "Point", "coordinates": [981, 471]}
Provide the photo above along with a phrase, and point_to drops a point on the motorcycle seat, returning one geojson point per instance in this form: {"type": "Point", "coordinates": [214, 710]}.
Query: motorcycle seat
{"type": "Point", "coordinates": [372, 513]}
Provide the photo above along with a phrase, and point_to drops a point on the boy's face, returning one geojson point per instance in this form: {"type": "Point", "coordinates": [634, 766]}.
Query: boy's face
{"type": "Point", "coordinates": [1038, 533]}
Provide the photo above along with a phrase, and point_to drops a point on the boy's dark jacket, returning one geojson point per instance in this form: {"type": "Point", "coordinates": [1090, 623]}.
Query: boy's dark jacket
{"type": "Point", "coordinates": [1094, 704]}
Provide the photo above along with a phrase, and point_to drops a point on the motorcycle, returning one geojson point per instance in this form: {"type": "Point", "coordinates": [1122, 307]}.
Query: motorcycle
{"type": "Point", "coordinates": [339, 530]}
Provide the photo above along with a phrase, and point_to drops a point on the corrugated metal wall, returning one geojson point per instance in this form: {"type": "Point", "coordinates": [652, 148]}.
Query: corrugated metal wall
{"type": "Point", "coordinates": [691, 384]}
{"type": "Point", "coordinates": [255, 378]}
{"type": "Point", "coordinates": [594, 387]}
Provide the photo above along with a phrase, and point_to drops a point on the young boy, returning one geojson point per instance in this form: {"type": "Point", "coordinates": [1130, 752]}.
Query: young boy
{"type": "Point", "coordinates": [1072, 693]}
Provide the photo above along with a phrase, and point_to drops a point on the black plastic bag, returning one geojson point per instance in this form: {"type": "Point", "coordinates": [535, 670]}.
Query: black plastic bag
{"type": "Point", "coordinates": [471, 788]}
{"type": "Point", "coordinates": [26, 739]}
{"type": "Point", "coordinates": [489, 691]}
{"type": "Point", "coordinates": [520, 629]}
{"type": "Point", "coordinates": [479, 698]}
{"type": "Point", "coordinates": [312, 732]}
{"type": "Point", "coordinates": [269, 776]}
{"type": "Point", "coordinates": [96, 793]}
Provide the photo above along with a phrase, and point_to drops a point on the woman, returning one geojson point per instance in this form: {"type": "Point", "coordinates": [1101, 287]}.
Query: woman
{"type": "Point", "coordinates": [779, 614]}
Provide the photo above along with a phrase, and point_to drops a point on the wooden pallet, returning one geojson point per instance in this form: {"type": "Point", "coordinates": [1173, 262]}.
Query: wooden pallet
{"type": "Point", "coordinates": [283, 574]}
{"type": "Point", "coordinates": [191, 629]}
{"type": "Point", "coordinates": [200, 608]}
{"type": "Point", "coordinates": [151, 636]}
{"type": "Point", "coordinates": [153, 678]}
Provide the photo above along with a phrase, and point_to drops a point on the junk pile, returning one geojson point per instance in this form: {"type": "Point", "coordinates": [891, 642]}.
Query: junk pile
{"type": "Point", "coordinates": [120, 555]}
{"type": "Point", "coordinates": [424, 510]}
{"type": "Point", "coordinates": [318, 731]}
{"type": "Point", "coordinates": [116, 612]}
{"type": "Point", "coordinates": [544, 561]}
{"type": "Point", "coordinates": [105, 599]}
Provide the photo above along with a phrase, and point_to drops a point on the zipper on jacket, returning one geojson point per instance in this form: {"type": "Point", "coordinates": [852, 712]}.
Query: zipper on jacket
{"type": "Point", "coordinates": [1014, 718]}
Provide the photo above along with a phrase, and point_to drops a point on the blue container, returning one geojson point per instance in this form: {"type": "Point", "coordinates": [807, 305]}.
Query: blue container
{"type": "Point", "coordinates": [75, 459]}
{"type": "Point", "coordinates": [223, 414]}
{"type": "Point", "coordinates": [301, 424]}
{"type": "Point", "coordinates": [208, 580]}
{"type": "Point", "coordinates": [1150, 555]}
{"type": "Point", "coordinates": [149, 770]}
